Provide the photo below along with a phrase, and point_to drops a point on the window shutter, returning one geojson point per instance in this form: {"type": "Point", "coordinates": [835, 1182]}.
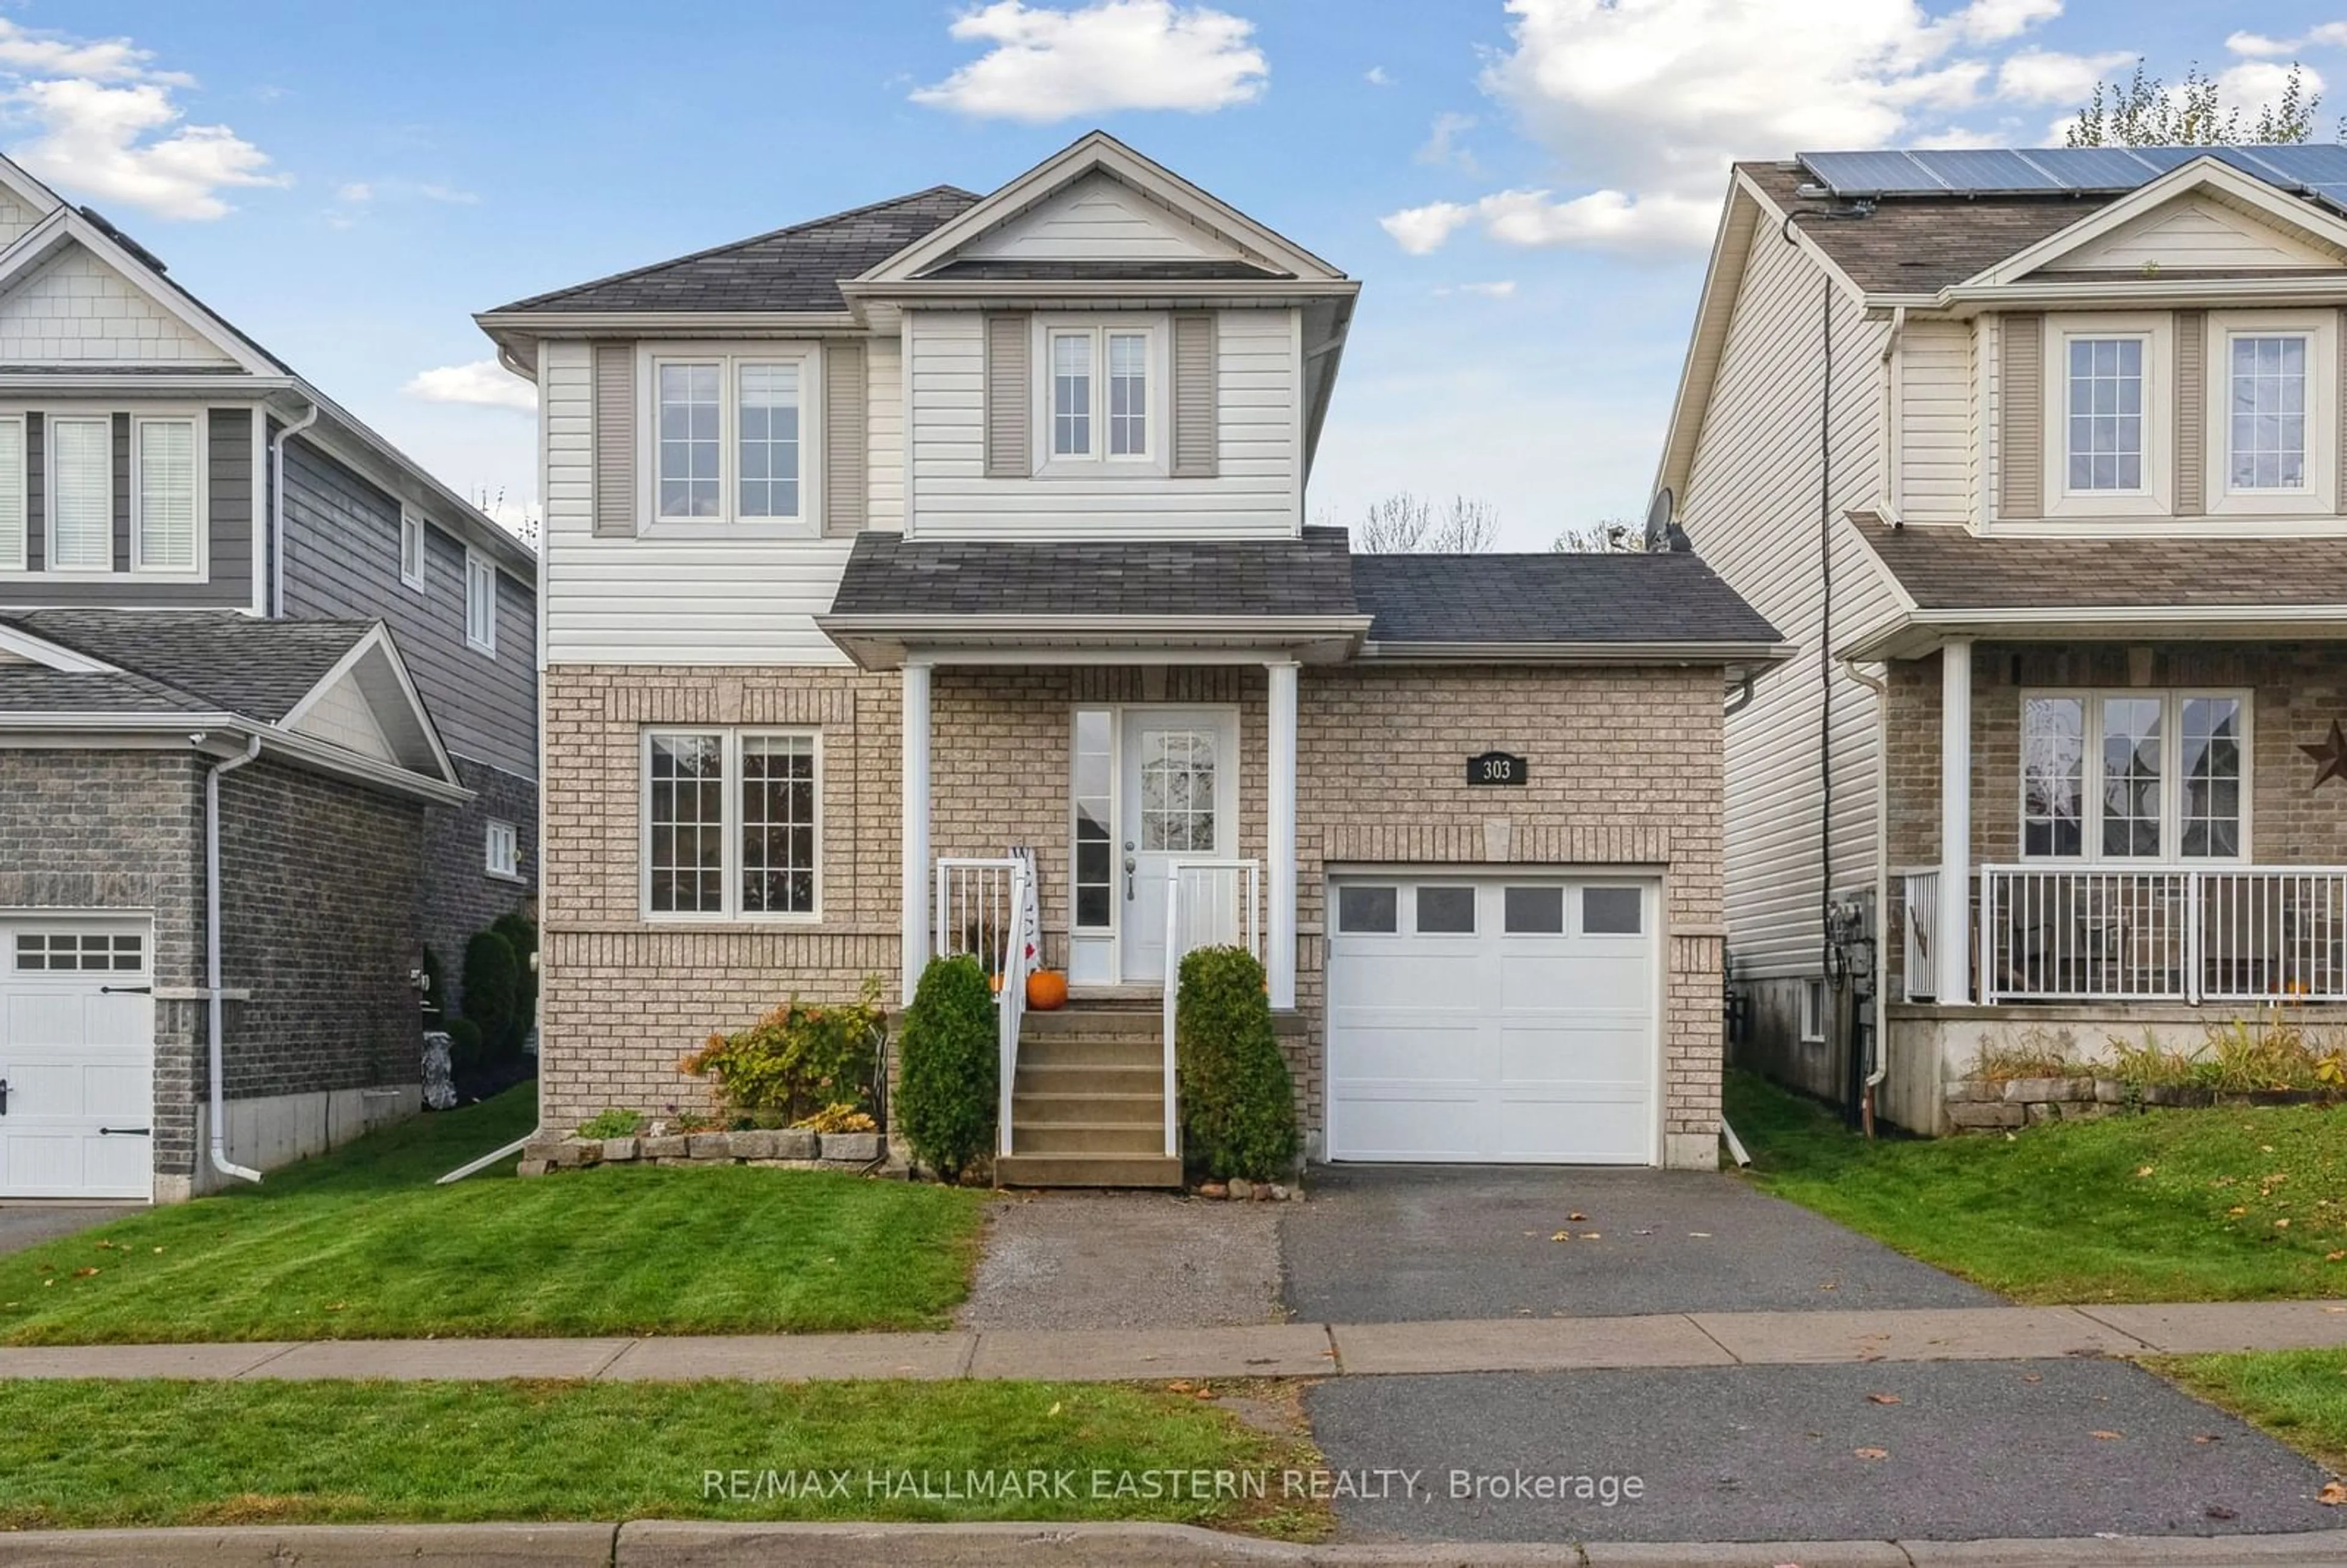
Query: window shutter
{"type": "Point", "coordinates": [1010, 399]}
{"type": "Point", "coordinates": [1195, 373]}
{"type": "Point", "coordinates": [2021, 423]}
{"type": "Point", "coordinates": [2191, 414]}
{"type": "Point", "coordinates": [615, 440]}
{"type": "Point", "coordinates": [845, 414]}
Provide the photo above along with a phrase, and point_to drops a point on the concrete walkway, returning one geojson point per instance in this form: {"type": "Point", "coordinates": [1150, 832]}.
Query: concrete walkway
{"type": "Point", "coordinates": [1261, 1350]}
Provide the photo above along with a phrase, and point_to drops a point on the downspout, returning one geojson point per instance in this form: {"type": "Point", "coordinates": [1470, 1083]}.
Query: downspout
{"type": "Point", "coordinates": [277, 505]}
{"type": "Point", "coordinates": [1825, 662]}
{"type": "Point", "coordinates": [221, 1162]}
{"type": "Point", "coordinates": [1879, 1068]}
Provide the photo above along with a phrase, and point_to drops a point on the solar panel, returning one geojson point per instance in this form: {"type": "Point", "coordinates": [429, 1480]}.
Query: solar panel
{"type": "Point", "coordinates": [2092, 167]}
{"type": "Point", "coordinates": [1985, 169]}
{"type": "Point", "coordinates": [1870, 173]}
{"type": "Point", "coordinates": [2315, 164]}
{"type": "Point", "coordinates": [2331, 196]}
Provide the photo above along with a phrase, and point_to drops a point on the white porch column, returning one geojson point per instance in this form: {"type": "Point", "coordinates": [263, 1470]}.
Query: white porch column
{"type": "Point", "coordinates": [1279, 926]}
{"type": "Point", "coordinates": [1953, 962]}
{"type": "Point", "coordinates": [916, 824]}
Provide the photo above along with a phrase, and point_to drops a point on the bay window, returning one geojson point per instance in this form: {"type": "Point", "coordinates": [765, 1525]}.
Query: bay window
{"type": "Point", "coordinates": [732, 434]}
{"type": "Point", "coordinates": [1100, 405]}
{"type": "Point", "coordinates": [731, 823]}
{"type": "Point", "coordinates": [2134, 775]}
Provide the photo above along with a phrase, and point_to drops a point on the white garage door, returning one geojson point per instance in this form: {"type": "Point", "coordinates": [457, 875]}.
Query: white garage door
{"type": "Point", "coordinates": [77, 1055]}
{"type": "Point", "coordinates": [1493, 1019]}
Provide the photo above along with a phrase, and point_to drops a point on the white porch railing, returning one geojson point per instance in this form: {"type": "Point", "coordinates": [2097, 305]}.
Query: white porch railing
{"type": "Point", "coordinates": [2264, 934]}
{"type": "Point", "coordinates": [1918, 976]}
{"type": "Point", "coordinates": [986, 908]}
{"type": "Point", "coordinates": [1208, 903]}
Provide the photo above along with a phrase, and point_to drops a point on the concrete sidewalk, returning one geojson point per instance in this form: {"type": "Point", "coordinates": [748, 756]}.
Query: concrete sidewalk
{"type": "Point", "coordinates": [662, 1543]}
{"type": "Point", "coordinates": [1261, 1350]}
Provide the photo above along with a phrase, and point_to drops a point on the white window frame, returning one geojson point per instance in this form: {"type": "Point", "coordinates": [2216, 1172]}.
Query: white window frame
{"type": "Point", "coordinates": [2156, 495]}
{"type": "Point", "coordinates": [2171, 775]}
{"type": "Point", "coordinates": [501, 849]}
{"type": "Point", "coordinates": [729, 911]}
{"type": "Point", "coordinates": [480, 569]}
{"type": "Point", "coordinates": [2319, 495]}
{"type": "Point", "coordinates": [49, 427]}
{"type": "Point", "coordinates": [728, 357]}
{"type": "Point", "coordinates": [411, 527]}
{"type": "Point", "coordinates": [1099, 327]}
{"type": "Point", "coordinates": [198, 434]}
{"type": "Point", "coordinates": [12, 430]}
{"type": "Point", "coordinates": [1815, 1004]}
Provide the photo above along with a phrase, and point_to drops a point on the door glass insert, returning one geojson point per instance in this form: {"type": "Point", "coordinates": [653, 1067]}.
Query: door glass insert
{"type": "Point", "coordinates": [1177, 791]}
{"type": "Point", "coordinates": [1095, 862]}
{"type": "Point", "coordinates": [1446, 911]}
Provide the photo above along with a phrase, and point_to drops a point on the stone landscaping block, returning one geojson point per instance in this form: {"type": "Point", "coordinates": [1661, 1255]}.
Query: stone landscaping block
{"type": "Point", "coordinates": [794, 1144]}
{"type": "Point", "coordinates": [709, 1146]}
{"type": "Point", "coordinates": [758, 1144]}
{"type": "Point", "coordinates": [619, 1151]}
{"type": "Point", "coordinates": [2042, 1090]}
{"type": "Point", "coordinates": [2110, 1092]}
{"type": "Point", "coordinates": [2042, 1111]}
{"type": "Point", "coordinates": [671, 1147]}
{"type": "Point", "coordinates": [1980, 1115]}
{"type": "Point", "coordinates": [541, 1149]}
{"type": "Point", "coordinates": [529, 1167]}
{"type": "Point", "coordinates": [860, 1148]}
{"type": "Point", "coordinates": [1241, 1189]}
{"type": "Point", "coordinates": [571, 1154]}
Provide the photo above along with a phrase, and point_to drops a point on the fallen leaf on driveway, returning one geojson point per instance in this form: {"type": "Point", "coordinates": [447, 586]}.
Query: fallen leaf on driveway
{"type": "Point", "coordinates": [1831, 1285]}
{"type": "Point", "coordinates": [1700, 1235]}
{"type": "Point", "coordinates": [2033, 1377]}
{"type": "Point", "coordinates": [1576, 1216]}
{"type": "Point", "coordinates": [2218, 1511]}
{"type": "Point", "coordinates": [2108, 1437]}
{"type": "Point", "coordinates": [1592, 1235]}
{"type": "Point", "coordinates": [1871, 1454]}
{"type": "Point", "coordinates": [1883, 1400]}
{"type": "Point", "coordinates": [2207, 1438]}
{"type": "Point", "coordinates": [2332, 1495]}
{"type": "Point", "coordinates": [1561, 1235]}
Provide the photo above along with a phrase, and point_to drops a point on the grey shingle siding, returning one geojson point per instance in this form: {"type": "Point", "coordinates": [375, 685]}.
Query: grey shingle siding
{"type": "Point", "coordinates": [228, 495]}
{"type": "Point", "coordinates": [341, 559]}
{"type": "Point", "coordinates": [794, 269]}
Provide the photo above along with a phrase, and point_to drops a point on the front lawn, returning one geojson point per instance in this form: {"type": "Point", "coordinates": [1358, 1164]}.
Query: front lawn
{"type": "Point", "coordinates": [2170, 1205]}
{"type": "Point", "coordinates": [90, 1454]}
{"type": "Point", "coordinates": [2298, 1396]}
{"type": "Point", "coordinates": [360, 1243]}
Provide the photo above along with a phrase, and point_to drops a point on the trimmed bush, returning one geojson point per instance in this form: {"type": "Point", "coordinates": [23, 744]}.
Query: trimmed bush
{"type": "Point", "coordinates": [797, 1060]}
{"type": "Point", "coordinates": [521, 932]}
{"type": "Point", "coordinates": [945, 1091]}
{"type": "Point", "coordinates": [489, 994]}
{"type": "Point", "coordinates": [1238, 1104]}
{"type": "Point", "coordinates": [466, 1057]}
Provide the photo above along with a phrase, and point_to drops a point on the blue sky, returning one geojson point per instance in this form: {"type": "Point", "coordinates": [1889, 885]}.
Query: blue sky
{"type": "Point", "coordinates": [1524, 189]}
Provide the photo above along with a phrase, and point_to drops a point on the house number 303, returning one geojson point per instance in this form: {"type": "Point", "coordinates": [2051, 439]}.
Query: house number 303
{"type": "Point", "coordinates": [1497, 768]}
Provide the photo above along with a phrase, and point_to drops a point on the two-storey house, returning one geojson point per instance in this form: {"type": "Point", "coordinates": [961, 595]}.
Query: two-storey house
{"type": "Point", "coordinates": [267, 729]}
{"type": "Point", "coordinates": [945, 560]}
{"type": "Point", "coordinates": [2037, 454]}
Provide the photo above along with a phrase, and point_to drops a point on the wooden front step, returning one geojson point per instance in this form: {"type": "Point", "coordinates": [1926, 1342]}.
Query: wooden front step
{"type": "Point", "coordinates": [1077, 1050]}
{"type": "Point", "coordinates": [1090, 1078]}
{"type": "Point", "coordinates": [1089, 1138]}
{"type": "Point", "coordinates": [1134, 1109]}
{"type": "Point", "coordinates": [1087, 1171]}
{"type": "Point", "coordinates": [1093, 1023]}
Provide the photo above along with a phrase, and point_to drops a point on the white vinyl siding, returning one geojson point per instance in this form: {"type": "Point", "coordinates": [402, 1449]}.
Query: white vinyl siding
{"type": "Point", "coordinates": [81, 516]}
{"type": "Point", "coordinates": [1751, 508]}
{"type": "Point", "coordinates": [2189, 235]}
{"type": "Point", "coordinates": [1253, 492]}
{"type": "Point", "coordinates": [12, 494]}
{"type": "Point", "coordinates": [1935, 422]}
{"type": "Point", "coordinates": [166, 496]}
{"type": "Point", "coordinates": [1098, 220]}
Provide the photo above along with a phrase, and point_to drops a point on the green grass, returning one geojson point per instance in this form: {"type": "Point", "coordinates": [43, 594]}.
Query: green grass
{"type": "Point", "coordinates": [2169, 1205]}
{"type": "Point", "coordinates": [360, 1243]}
{"type": "Point", "coordinates": [2298, 1396]}
{"type": "Point", "coordinates": [90, 1454]}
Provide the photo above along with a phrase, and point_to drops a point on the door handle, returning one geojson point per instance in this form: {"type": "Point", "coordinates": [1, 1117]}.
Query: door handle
{"type": "Point", "coordinates": [1130, 863]}
{"type": "Point", "coordinates": [3, 1097]}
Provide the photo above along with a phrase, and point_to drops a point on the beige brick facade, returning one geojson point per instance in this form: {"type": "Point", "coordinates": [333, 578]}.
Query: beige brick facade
{"type": "Point", "coordinates": [1626, 772]}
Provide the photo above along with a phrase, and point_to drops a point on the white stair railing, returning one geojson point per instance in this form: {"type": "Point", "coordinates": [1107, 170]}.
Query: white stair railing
{"type": "Point", "coordinates": [986, 908]}
{"type": "Point", "coordinates": [1208, 903]}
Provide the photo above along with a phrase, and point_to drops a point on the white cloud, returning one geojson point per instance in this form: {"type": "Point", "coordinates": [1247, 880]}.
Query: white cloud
{"type": "Point", "coordinates": [2253, 85]}
{"type": "Point", "coordinates": [2051, 76]}
{"type": "Point", "coordinates": [1497, 289]}
{"type": "Point", "coordinates": [1642, 104]}
{"type": "Point", "coordinates": [1048, 65]}
{"type": "Point", "coordinates": [2330, 34]}
{"type": "Point", "coordinates": [483, 383]}
{"type": "Point", "coordinates": [2259, 45]}
{"type": "Point", "coordinates": [1377, 77]}
{"type": "Point", "coordinates": [356, 191]}
{"type": "Point", "coordinates": [1442, 142]}
{"type": "Point", "coordinates": [40, 54]}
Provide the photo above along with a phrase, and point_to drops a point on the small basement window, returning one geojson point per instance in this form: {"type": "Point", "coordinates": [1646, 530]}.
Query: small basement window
{"type": "Point", "coordinates": [502, 850]}
{"type": "Point", "coordinates": [1814, 1013]}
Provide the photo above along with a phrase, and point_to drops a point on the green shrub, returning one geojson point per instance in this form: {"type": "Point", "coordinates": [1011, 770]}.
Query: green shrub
{"type": "Point", "coordinates": [1238, 1105]}
{"type": "Point", "coordinates": [521, 932]}
{"type": "Point", "coordinates": [489, 993]}
{"type": "Point", "coordinates": [945, 1098]}
{"type": "Point", "coordinates": [796, 1060]}
{"type": "Point", "coordinates": [466, 1056]}
{"type": "Point", "coordinates": [612, 1124]}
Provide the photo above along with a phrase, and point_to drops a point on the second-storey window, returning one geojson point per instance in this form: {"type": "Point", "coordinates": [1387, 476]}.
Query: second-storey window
{"type": "Point", "coordinates": [2266, 412]}
{"type": "Point", "coordinates": [12, 494]}
{"type": "Point", "coordinates": [2134, 775]}
{"type": "Point", "coordinates": [165, 502]}
{"type": "Point", "coordinates": [2106, 414]}
{"type": "Point", "coordinates": [481, 602]}
{"type": "Point", "coordinates": [1071, 395]}
{"type": "Point", "coordinates": [1099, 404]}
{"type": "Point", "coordinates": [411, 548]}
{"type": "Point", "coordinates": [732, 436]}
{"type": "Point", "coordinates": [81, 494]}
{"type": "Point", "coordinates": [729, 823]}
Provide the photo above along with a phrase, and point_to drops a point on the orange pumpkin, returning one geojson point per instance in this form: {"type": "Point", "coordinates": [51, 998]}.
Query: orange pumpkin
{"type": "Point", "coordinates": [1047, 991]}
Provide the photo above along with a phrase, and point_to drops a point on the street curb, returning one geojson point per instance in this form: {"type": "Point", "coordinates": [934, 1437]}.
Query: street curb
{"type": "Point", "coordinates": [676, 1543]}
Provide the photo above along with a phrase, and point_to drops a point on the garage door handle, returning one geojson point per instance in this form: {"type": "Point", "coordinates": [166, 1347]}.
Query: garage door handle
{"type": "Point", "coordinates": [3, 1097]}
{"type": "Point", "coordinates": [126, 990]}
{"type": "Point", "coordinates": [126, 1131]}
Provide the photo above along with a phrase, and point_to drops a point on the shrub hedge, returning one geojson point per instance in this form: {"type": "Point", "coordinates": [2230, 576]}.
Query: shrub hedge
{"type": "Point", "coordinates": [945, 1099]}
{"type": "Point", "coordinates": [1238, 1104]}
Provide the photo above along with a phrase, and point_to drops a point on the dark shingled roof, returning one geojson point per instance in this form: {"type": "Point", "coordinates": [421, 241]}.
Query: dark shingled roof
{"type": "Point", "coordinates": [1552, 598]}
{"type": "Point", "coordinates": [794, 269]}
{"type": "Point", "coordinates": [1952, 568]}
{"type": "Point", "coordinates": [35, 689]}
{"type": "Point", "coordinates": [888, 574]}
{"type": "Point", "coordinates": [1912, 244]}
{"type": "Point", "coordinates": [196, 660]}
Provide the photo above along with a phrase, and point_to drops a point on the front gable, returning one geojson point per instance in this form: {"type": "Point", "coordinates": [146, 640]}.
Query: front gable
{"type": "Point", "coordinates": [73, 308]}
{"type": "Point", "coordinates": [1098, 218]}
{"type": "Point", "coordinates": [368, 705]}
{"type": "Point", "coordinates": [2199, 233]}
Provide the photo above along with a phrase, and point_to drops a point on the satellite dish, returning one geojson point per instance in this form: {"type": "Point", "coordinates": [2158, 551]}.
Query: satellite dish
{"type": "Point", "coordinates": [1660, 517]}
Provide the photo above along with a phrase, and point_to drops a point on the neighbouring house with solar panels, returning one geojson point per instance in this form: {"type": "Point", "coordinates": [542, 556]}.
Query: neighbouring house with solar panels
{"type": "Point", "coordinates": [2037, 457]}
{"type": "Point", "coordinates": [938, 569]}
{"type": "Point", "coordinates": [268, 727]}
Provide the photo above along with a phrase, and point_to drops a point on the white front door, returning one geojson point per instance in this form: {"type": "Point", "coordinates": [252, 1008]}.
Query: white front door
{"type": "Point", "coordinates": [1178, 800]}
{"type": "Point", "coordinates": [77, 1056]}
{"type": "Point", "coordinates": [1475, 1017]}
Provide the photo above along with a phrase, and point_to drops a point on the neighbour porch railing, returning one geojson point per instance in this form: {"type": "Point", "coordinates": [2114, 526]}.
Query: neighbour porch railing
{"type": "Point", "coordinates": [1208, 903]}
{"type": "Point", "coordinates": [2166, 933]}
{"type": "Point", "coordinates": [986, 908]}
{"type": "Point", "coordinates": [1917, 974]}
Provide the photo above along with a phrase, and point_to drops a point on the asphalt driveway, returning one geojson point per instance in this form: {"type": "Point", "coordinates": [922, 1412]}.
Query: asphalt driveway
{"type": "Point", "coordinates": [24, 1225]}
{"type": "Point", "coordinates": [1391, 1244]}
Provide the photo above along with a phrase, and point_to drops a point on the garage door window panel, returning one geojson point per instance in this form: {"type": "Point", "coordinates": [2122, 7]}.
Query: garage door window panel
{"type": "Point", "coordinates": [1612, 912]}
{"type": "Point", "coordinates": [1534, 911]}
{"type": "Point", "coordinates": [1369, 911]}
{"type": "Point", "coordinates": [67, 952]}
{"type": "Point", "coordinates": [1446, 911]}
